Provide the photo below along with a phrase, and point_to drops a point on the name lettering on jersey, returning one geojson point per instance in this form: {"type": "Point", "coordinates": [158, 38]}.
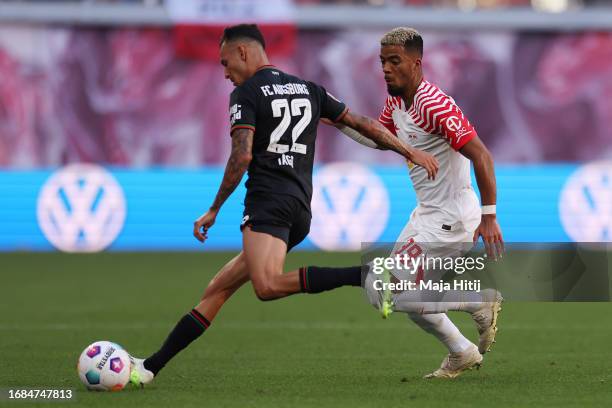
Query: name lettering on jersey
{"type": "Point", "coordinates": [286, 89]}
{"type": "Point", "coordinates": [285, 160]}
{"type": "Point", "coordinates": [235, 113]}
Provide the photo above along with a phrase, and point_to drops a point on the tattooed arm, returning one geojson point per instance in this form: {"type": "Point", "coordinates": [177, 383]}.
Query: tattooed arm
{"type": "Point", "coordinates": [237, 165]}
{"type": "Point", "coordinates": [373, 130]}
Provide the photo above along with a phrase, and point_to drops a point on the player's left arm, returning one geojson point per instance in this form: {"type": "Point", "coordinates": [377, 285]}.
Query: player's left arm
{"type": "Point", "coordinates": [450, 122]}
{"type": "Point", "coordinates": [381, 136]}
{"type": "Point", "coordinates": [353, 134]}
{"type": "Point", "coordinates": [237, 165]}
{"type": "Point", "coordinates": [385, 118]}
{"type": "Point", "coordinates": [484, 169]}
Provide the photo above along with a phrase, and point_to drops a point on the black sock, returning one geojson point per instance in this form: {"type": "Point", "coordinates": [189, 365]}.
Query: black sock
{"type": "Point", "coordinates": [316, 279]}
{"type": "Point", "coordinates": [189, 328]}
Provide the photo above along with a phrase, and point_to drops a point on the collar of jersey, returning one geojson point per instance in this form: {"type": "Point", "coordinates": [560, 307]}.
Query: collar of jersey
{"type": "Point", "coordinates": [403, 103]}
{"type": "Point", "coordinates": [267, 66]}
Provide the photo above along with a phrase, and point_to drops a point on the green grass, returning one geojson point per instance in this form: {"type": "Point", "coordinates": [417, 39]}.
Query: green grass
{"type": "Point", "coordinates": [327, 350]}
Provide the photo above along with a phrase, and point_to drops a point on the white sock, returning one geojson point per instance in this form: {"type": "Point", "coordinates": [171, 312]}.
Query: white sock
{"type": "Point", "coordinates": [411, 301]}
{"type": "Point", "coordinates": [443, 329]}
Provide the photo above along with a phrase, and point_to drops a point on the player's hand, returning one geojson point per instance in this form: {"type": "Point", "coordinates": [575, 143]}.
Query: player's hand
{"type": "Point", "coordinates": [427, 161]}
{"type": "Point", "coordinates": [491, 235]}
{"type": "Point", "coordinates": [203, 223]}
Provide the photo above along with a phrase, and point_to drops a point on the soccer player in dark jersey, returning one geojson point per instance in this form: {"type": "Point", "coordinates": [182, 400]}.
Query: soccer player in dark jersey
{"type": "Point", "coordinates": [274, 118]}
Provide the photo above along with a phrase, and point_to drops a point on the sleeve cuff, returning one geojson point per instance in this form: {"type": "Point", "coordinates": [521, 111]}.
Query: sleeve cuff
{"type": "Point", "coordinates": [251, 127]}
{"type": "Point", "coordinates": [341, 115]}
{"type": "Point", "coordinates": [464, 141]}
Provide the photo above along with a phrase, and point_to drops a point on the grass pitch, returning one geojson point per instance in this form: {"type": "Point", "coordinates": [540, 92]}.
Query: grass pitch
{"type": "Point", "coordinates": [326, 350]}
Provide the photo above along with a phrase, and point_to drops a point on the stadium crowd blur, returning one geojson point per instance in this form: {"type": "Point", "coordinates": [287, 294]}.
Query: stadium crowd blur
{"type": "Point", "coordinates": [125, 96]}
{"type": "Point", "coordinates": [455, 3]}
{"type": "Point", "coordinates": [485, 4]}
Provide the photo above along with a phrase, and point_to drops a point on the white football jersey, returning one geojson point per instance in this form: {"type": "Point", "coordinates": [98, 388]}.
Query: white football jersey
{"type": "Point", "coordinates": [434, 123]}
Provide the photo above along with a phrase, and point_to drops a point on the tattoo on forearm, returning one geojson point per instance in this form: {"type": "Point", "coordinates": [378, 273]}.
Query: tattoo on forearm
{"type": "Point", "coordinates": [237, 164]}
{"type": "Point", "coordinates": [375, 131]}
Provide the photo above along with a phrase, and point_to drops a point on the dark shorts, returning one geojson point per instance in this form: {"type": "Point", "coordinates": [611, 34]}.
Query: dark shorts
{"type": "Point", "coordinates": [280, 215]}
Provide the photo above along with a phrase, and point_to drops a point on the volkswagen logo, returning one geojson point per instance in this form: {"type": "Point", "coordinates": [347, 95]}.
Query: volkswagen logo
{"type": "Point", "coordinates": [81, 208]}
{"type": "Point", "coordinates": [350, 205]}
{"type": "Point", "coordinates": [585, 205]}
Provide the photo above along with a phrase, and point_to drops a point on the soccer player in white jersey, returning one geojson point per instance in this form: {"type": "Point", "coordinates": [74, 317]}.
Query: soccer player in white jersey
{"type": "Point", "coordinates": [448, 211]}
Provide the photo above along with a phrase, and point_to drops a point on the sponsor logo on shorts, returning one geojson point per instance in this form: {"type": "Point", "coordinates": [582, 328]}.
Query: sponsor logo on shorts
{"type": "Point", "coordinates": [245, 219]}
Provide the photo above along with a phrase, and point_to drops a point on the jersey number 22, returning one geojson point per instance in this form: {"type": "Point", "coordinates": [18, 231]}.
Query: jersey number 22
{"type": "Point", "coordinates": [281, 108]}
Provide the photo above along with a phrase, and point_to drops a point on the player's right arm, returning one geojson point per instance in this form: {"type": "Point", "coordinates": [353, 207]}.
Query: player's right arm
{"type": "Point", "coordinates": [237, 165]}
{"type": "Point", "coordinates": [243, 118]}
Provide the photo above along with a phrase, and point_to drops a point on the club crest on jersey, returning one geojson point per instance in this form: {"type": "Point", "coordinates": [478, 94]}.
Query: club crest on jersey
{"type": "Point", "coordinates": [285, 160]}
{"type": "Point", "coordinates": [235, 113]}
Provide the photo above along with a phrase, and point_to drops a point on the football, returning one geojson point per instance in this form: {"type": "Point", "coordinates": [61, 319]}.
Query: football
{"type": "Point", "coordinates": [104, 366]}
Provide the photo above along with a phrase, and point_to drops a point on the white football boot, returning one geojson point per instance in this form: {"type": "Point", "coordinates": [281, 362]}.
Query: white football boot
{"type": "Point", "coordinates": [139, 375]}
{"type": "Point", "coordinates": [456, 363]}
{"type": "Point", "coordinates": [486, 319]}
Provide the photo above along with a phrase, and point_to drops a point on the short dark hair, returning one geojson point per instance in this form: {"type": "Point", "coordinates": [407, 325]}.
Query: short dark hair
{"type": "Point", "coordinates": [242, 31]}
{"type": "Point", "coordinates": [407, 37]}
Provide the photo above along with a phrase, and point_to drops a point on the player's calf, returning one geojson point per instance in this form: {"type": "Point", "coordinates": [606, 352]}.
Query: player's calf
{"type": "Point", "coordinates": [308, 279]}
{"type": "Point", "coordinates": [189, 328]}
{"type": "Point", "coordinates": [317, 279]}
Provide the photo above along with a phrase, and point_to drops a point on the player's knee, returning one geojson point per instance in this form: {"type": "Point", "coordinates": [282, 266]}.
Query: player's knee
{"type": "Point", "coordinates": [265, 291]}
{"type": "Point", "coordinates": [265, 294]}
